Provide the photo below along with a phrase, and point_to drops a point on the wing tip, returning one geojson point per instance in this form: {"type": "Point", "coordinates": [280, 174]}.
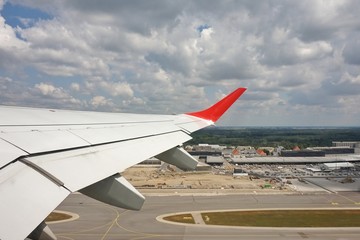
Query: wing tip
{"type": "Point", "coordinates": [214, 112]}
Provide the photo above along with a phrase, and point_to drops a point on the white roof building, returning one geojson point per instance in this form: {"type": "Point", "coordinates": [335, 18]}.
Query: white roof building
{"type": "Point", "coordinates": [338, 165]}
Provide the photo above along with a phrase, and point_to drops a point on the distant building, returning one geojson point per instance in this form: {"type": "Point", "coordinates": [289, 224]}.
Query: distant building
{"type": "Point", "coordinates": [205, 150]}
{"type": "Point", "coordinates": [334, 150]}
{"type": "Point", "coordinates": [296, 160]}
{"type": "Point", "coordinates": [214, 160]}
{"type": "Point", "coordinates": [235, 152]}
{"type": "Point", "coordinates": [247, 151]}
{"type": "Point", "coordinates": [205, 153]}
{"type": "Point", "coordinates": [296, 148]}
{"type": "Point", "coordinates": [314, 170]}
{"type": "Point", "coordinates": [353, 145]}
{"type": "Point", "coordinates": [239, 172]}
{"type": "Point", "coordinates": [228, 152]}
{"type": "Point", "coordinates": [302, 153]}
{"type": "Point", "coordinates": [261, 152]}
{"type": "Point", "coordinates": [338, 166]}
{"type": "Point", "coordinates": [269, 150]}
{"type": "Point", "coordinates": [211, 146]}
{"type": "Point", "coordinates": [346, 144]}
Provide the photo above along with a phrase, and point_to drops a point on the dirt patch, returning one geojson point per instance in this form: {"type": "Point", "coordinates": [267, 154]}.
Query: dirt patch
{"type": "Point", "coordinates": [57, 216]}
{"type": "Point", "coordinates": [157, 178]}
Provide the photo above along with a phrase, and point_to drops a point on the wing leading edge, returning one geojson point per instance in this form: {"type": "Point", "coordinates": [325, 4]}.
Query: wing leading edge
{"type": "Point", "coordinates": [47, 154]}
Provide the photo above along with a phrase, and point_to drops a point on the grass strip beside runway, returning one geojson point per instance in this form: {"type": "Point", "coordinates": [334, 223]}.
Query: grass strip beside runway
{"type": "Point", "coordinates": [276, 218]}
{"type": "Point", "coordinates": [285, 218]}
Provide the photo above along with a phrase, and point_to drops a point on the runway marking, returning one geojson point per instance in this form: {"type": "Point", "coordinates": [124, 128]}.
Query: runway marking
{"type": "Point", "coordinates": [349, 199]}
{"type": "Point", "coordinates": [337, 194]}
{"type": "Point", "coordinates": [85, 230]}
{"type": "Point", "coordinates": [69, 238]}
{"type": "Point", "coordinates": [144, 235]}
{"type": "Point", "coordinates": [128, 230]}
{"type": "Point", "coordinates": [89, 229]}
{"type": "Point", "coordinates": [112, 224]}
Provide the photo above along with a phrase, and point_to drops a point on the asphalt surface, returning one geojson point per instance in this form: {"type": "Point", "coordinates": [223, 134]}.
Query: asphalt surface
{"type": "Point", "coordinates": [100, 221]}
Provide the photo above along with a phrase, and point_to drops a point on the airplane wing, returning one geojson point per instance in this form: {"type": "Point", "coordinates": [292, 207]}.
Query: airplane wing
{"type": "Point", "coordinates": [47, 154]}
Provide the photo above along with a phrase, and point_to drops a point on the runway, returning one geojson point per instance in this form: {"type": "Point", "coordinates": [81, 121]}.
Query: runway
{"type": "Point", "coordinates": [101, 221]}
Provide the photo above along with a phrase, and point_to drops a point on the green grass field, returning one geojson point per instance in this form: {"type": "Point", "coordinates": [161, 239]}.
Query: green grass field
{"type": "Point", "coordinates": [279, 218]}
{"type": "Point", "coordinates": [286, 218]}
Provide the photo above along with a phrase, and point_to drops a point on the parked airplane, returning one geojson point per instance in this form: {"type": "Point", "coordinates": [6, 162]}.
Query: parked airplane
{"type": "Point", "coordinates": [47, 154]}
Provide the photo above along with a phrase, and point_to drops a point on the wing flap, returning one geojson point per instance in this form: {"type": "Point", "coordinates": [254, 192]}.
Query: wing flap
{"type": "Point", "coordinates": [33, 195]}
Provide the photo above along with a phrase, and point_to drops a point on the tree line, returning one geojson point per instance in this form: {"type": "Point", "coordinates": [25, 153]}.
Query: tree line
{"type": "Point", "coordinates": [276, 136]}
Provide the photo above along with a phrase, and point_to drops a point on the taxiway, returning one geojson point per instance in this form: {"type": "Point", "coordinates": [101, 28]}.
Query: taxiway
{"type": "Point", "coordinates": [101, 221]}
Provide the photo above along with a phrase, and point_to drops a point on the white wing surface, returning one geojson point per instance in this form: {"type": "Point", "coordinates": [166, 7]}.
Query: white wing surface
{"type": "Point", "coordinates": [47, 154]}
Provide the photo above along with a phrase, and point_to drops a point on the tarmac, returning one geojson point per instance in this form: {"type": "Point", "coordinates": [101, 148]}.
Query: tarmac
{"type": "Point", "coordinates": [101, 221]}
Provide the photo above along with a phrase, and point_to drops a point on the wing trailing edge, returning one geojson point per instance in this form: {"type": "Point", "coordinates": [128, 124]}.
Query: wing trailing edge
{"type": "Point", "coordinates": [214, 112]}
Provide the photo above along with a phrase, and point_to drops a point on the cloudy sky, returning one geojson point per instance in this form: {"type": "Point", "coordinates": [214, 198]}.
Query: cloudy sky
{"type": "Point", "coordinates": [300, 60]}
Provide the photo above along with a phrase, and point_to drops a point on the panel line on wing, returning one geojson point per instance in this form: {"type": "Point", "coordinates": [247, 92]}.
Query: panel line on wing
{"type": "Point", "coordinates": [14, 145]}
{"type": "Point", "coordinates": [42, 172]}
{"type": "Point", "coordinates": [101, 144]}
{"type": "Point", "coordinates": [76, 135]}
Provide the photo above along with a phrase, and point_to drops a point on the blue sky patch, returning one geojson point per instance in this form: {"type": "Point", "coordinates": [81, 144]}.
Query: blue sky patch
{"type": "Point", "coordinates": [202, 27]}
{"type": "Point", "coordinates": [24, 17]}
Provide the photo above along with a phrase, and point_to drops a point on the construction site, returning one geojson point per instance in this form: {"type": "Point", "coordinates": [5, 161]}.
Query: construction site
{"type": "Point", "coordinates": [228, 178]}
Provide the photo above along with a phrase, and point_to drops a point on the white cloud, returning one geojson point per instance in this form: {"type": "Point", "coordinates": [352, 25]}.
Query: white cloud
{"type": "Point", "coordinates": [101, 101]}
{"type": "Point", "coordinates": [55, 95]}
{"type": "Point", "coordinates": [206, 33]}
{"type": "Point", "coordinates": [152, 56]}
{"type": "Point", "coordinates": [75, 87]}
{"type": "Point", "coordinates": [293, 51]}
{"type": "Point", "coordinates": [117, 89]}
{"type": "Point", "coordinates": [49, 90]}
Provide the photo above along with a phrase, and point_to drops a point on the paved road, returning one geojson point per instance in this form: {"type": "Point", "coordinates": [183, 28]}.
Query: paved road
{"type": "Point", "coordinates": [100, 221]}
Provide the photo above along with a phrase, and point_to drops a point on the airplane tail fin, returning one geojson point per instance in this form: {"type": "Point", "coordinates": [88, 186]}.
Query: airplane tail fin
{"type": "Point", "coordinates": [214, 112]}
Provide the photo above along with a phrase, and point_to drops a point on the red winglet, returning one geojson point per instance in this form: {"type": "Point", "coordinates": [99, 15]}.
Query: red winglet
{"type": "Point", "coordinates": [214, 112]}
